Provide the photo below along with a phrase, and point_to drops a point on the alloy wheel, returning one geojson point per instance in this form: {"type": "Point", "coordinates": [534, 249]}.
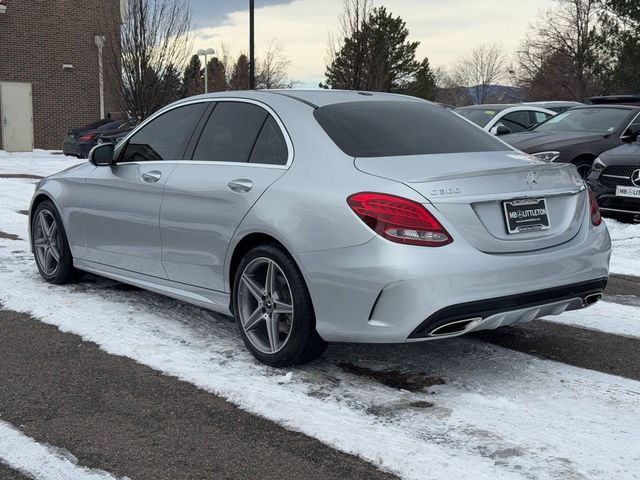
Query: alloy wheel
{"type": "Point", "coordinates": [265, 305]}
{"type": "Point", "coordinates": [46, 240]}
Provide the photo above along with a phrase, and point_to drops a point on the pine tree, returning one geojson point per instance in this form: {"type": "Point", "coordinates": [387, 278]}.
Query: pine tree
{"type": "Point", "coordinates": [377, 56]}
{"type": "Point", "coordinates": [192, 82]}
{"type": "Point", "coordinates": [240, 75]}
{"type": "Point", "coordinates": [216, 75]}
{"type": "Point", "coordinates": [424, 83]}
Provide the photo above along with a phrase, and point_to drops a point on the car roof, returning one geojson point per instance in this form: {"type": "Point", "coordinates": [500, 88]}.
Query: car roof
{"type": "Point", "coordinates": [616, 99]}
{"type": "Point", "coordinates": [312, 97]}
{"type": "Point", "coordinates": [489, 106]}
{"type": "Point", "coordinates": [618, 106]}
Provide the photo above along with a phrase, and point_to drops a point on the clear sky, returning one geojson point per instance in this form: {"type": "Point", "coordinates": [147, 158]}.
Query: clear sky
{"type": "Point", "coordinates": [446, 29]}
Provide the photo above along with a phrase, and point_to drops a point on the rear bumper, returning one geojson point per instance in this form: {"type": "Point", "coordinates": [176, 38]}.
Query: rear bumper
{"type": "Point", "coordinates": [77, 149]}
{"type": "Point", "coordinates": [508, 310]}
{"type": "Point", "coordinates": [382, 292]}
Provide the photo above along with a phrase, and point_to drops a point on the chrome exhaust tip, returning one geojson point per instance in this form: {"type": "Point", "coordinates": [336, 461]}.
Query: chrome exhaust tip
{"type": "Point", "coordinates": [591, 299]}
{"type": "Point", "coordinates": [455, 328]}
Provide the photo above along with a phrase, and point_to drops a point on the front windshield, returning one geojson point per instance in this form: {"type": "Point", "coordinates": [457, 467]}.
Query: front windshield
{"type": "Point", "coordinates": [478, 116]}
{"type": "Point", "coordinates": [588, 120]}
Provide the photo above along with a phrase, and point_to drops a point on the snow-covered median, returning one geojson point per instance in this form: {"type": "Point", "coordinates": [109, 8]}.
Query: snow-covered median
{"type": "Point", "coordinates": [42, 461]}
{"type": "Point", "coordinates": [491, 412]}
{"type": "Point", "coordinates": [625, 257]}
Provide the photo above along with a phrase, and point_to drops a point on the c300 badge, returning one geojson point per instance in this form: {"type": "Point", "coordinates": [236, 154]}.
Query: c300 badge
{"type": "Point", "coordinates": [446, 191]}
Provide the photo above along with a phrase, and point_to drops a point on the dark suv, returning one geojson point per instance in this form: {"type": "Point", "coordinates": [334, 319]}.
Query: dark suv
{"type": "Point", "coordinates": [615, 180]}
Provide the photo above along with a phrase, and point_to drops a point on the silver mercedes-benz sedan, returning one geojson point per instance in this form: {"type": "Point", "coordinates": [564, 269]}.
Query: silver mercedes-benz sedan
{"type": "Point", "coordinates": [326, 216]}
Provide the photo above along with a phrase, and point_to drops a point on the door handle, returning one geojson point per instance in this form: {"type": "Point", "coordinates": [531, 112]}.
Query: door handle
{"type": "Point", "coordinates": [240, 185]}
{"type": "Point", "coordinates": [151, 177]}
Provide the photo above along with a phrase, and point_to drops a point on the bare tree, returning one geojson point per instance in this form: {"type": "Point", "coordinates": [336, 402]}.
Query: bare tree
{"type": "Point", "coordinates": [272, 70]}
{"type": "Point", "coordinates": [154, 39]}
{"type": "Point", "coordinates": [561, 54]}
{"type": "Point", "coordinates": [354, 14]}
{"type": "Point", "coordinates": [485, 66]}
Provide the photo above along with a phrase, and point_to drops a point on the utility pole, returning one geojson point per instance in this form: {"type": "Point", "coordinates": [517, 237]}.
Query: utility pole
{"type": "Point", "coordinates": [252, 56]}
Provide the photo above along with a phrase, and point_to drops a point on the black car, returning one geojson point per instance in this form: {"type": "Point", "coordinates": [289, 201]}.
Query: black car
{"type": "Point", "coordinates": [580, 134]}
{"type": "Point", "coordinates": [79, 141]}
{"type": "Point", "coordinates": [615, 181]}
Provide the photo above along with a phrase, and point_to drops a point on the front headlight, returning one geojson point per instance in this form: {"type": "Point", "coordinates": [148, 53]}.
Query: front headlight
{"type": "Point", "coordinates": [547, 156]}
{"type": "Point", "coordinates": [598, 165]}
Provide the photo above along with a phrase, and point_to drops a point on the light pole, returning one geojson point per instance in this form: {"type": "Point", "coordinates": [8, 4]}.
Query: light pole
{"type": "Point", "coordinates": [208, 51]}
{"type": "Point", "coordinates": [252, 56]}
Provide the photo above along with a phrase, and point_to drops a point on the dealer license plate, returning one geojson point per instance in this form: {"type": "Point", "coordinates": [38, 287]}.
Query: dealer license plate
{"type": "Point", "coordinates": [622, 191]}
{"type": "Point", "coordinates": [526, 215]}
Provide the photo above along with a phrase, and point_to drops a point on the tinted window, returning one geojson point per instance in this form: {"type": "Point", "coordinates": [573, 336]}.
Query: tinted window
{"type": "Point", "coordinates": [230, 132]}
{"type": "Point", "coordinates": [596, 120]}
{"type": "Point", "coordinates": [479, 116]}
{"type": "Point", "coordinates": [166, 137]}
{"type": "Point", "coordinates": [516, 121]}
{"type": "Point", "coordinates": [270, 148]}
{"type": "Point", "coordinates": [392, 128]}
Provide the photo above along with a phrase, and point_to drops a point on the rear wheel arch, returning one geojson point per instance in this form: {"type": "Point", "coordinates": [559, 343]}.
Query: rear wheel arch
{"type": "Point", "coordinates": [582, 160]}
{"type": "Point", "coordinates": [248, 242]}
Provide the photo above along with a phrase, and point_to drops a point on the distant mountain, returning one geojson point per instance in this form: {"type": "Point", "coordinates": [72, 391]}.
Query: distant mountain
{"type": "Point", "coordinates": [498, 94]}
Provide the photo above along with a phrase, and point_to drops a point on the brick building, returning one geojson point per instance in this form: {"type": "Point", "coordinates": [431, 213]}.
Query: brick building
{"type": "Point", "coordinates": [49, 68]}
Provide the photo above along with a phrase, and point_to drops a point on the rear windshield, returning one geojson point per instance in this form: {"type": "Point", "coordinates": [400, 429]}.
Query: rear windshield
{"type": "Point", "coordinates": [395, 128]}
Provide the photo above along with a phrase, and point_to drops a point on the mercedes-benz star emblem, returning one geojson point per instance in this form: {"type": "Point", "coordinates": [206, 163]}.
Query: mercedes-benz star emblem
{"type": "Point", "coordinates": [532, 179]}
{"type": "Point", "coordinates": [635, 177]}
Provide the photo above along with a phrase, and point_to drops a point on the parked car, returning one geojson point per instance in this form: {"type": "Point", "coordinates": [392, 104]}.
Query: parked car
{"type": "Point", "coordinates": [326, 216]}
{"type": "Point", "coordinates": [579, 135]}
{"type": "Point", "coordinates": [615, 180]}
{"type": "Point", "coordinates": [79, 141]}
{"type": "Point", "coordinates": [557, 106]}
{"type": "Point", "coordinates": [616, 100]}
{"type": "Point", "coordinates": [504, 119]}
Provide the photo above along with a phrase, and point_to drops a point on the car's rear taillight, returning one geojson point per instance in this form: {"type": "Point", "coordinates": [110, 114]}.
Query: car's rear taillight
{"type": "Point", "coordinates": [398, 219]}
{"type": "Point", "coordinates": [87, 137]}
{"type": "Point", "coordinates": [596, 218]}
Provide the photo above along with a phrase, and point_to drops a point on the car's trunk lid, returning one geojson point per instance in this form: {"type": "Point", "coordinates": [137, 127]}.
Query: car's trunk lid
{"type": "Point", "coordinates": [469, 190]}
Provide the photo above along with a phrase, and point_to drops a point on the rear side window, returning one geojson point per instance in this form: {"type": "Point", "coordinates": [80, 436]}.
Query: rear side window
{"type": "Point", "coordinates": [165, 137]}
{"type": "Point", "coordinates": [395, 128]}
{"type": "Point", "coordinates": [516, 121]}
{"type": "Point", "coordinates": [230, 132]}
{"type": "Point", "coordinates": [270, 148]}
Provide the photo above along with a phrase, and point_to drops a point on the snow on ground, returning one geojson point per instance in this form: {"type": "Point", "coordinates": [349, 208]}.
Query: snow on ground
{"type": "Point", "coordinates": [39, 461]}
{"type": "Point", "coordinates": [492, 413]}
{"type": "Point", "coordinates": [625, 258]}
{"type": "Point", "coordinates": [606, 317]}
{"type": "Point", "coordinates": [38, 162]}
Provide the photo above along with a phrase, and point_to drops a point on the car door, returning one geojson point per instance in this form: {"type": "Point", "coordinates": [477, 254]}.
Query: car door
{"type": "Point", "coordinates": [242, 149]}
{"type": "Point", "coordinates": [122, 202]}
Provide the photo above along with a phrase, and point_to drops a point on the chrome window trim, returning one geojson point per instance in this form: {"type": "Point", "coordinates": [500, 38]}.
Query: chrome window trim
{"type": "Point", "coordinates": [283, 130]}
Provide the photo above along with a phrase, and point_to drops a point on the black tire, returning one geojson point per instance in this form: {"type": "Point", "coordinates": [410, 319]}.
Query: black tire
{"type": "Point", "coordinates": [303, 344]}
{"type": "Point", "coordinates": [65, 272]}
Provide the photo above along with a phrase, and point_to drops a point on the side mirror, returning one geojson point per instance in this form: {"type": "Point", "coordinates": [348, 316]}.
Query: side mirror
{"type": "Point", "coordinates": [631, 134]}
{"type": "Point", "coordinates": [500, 130]}
{"type": "Point", "coordinates": [101, 155]}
